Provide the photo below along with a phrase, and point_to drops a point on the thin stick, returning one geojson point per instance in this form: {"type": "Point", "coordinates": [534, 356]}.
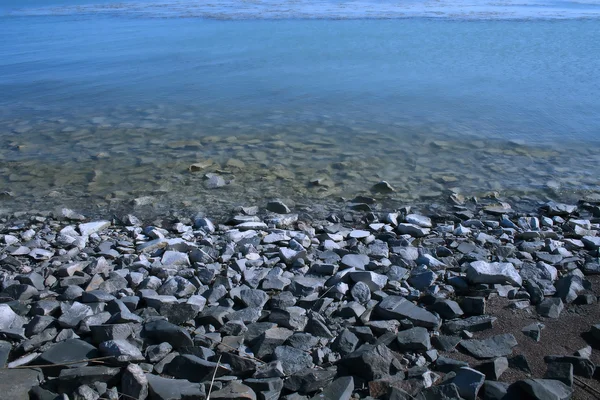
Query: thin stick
{"type": "Point", "coordinates": [586, 385]}
{"type": "Point", "coordinates": [243, 355]}
{"type": "Point", "coordinates": [213, 378]}
{"type": "Point", "coordinates": [98, 360]}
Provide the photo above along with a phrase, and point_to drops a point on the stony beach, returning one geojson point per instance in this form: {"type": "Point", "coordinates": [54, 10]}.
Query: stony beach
{"type": "Point", "coordinates": [475, 299]}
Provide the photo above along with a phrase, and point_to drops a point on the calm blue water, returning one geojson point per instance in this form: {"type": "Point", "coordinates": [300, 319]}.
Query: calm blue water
{"type": "Point", "coordinates": [536, 80]}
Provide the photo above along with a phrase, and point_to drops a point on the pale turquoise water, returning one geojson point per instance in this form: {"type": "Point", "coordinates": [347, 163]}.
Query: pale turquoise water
{"type": "Point", "coordinates": [92, 100]}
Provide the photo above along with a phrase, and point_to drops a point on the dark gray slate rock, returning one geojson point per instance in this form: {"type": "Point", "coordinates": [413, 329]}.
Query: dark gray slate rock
{"type": "Point", "coordinates": [194, 369]}
{"type": "Point", "coordinates": [484, 272]}
{"type": "Point", "coordinates": [357, 261]}
{"type": "Point", "coordinates": [160, 388]}
{"type": "Point", "coordinates": [340, 389]}
{"type": "Point", "coordinates": [493, 390]}
{"type": "Point", "coordinates": [447, 309]}
{"type": "Point", "coordinates": [396, 307]}
{"type": "Point", "coordinates": [345, 343]}
{"type": "Point", "coordinates": [496, 346]}
{"type": "Point", "coordinates": [70, 378]}
{"type": "Point", "coordinates": [309, 380]}
{"type": "Point", "coordinates": [447, 364]}
{"type": "Point", "coordinates": [561, 372]}
{"type": "Point", "coordinates": [266, 388]}
{"type": "Point", "coordinates": [550, 307]}
{"type": "Point", "coordinates": [582, 366]}
{"type": "Point", "coordinates": [121, 350]}
{"type": "Point", "coordinates": [5, 349]}
{"type": "Point", "coordinates": [441, 392]}
{"type": "Point", "coordinates": [534, 331]}
{"type": "Point", "coordinates": [234, 391]}
{"type": "Point", "coordinates": [543, 389]}
{"type": "Point", "coordinates": [16, 383]}
{"type": "Point", "coordinates": [468, 381]}
{"type": "Point", "coordinates": [473, 305]}
{"type": "Point", "coordinates": [445, 343]}
{"type": "Point", "coordinates": [134, 382]}
{"type": "Point", "coordinates": [472, 324]}
{"type": "Point", "coordinates": [278, 207]}
{"type": "Point", "coordinates": [369, 362]}
{"type": "Point", "coordinates": [162, 331]}
{"type": "Point", "coordinates": [68, 351]}
{"type": "Point", "coordinates": [415, 339]}
{"type": "Point", "coordinates": [494, 369]}
{"type": "Point", "coordinates": [292, 359]}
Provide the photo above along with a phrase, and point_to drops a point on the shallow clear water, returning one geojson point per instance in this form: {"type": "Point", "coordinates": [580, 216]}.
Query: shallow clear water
{"type": "Point", "coordinates": [99, 108]}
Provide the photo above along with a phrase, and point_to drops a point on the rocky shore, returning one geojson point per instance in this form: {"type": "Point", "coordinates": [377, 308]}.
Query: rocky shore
{"type": "Point", "coordinates": [477, 301]}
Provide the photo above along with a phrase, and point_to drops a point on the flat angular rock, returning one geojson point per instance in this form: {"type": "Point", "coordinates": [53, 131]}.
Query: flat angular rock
{"type": "Point", "coordinates": [491, 273]}
{"type": "Point", "coordinates": [134, 382]}
{"type": "Point", "coordinates": [162, 331]}
{"type": "Point", "coordinates": [90, 228]}
{"type": "Point", "coordinates": [496, 346]}
{"type": "Point", "coordinates": [373, 280]}
{"type": "Point", "coordinates": [561, 372]}
{"type": "Point", "coordinates": [369, 362]}
{"type": "Point", "coordinates": [340, 389]}
{"type": "Point", "coordinates": [419, 220]}
{"type": "Point", "coordinates": [194, 369]}
{"type": "Point", "coordinates": [468, 381]}
{"type": "Point", "coordinates": [16, 383]}
{"type": "Point", "coordinates": [122, 350]}
{"type": "Point", "coordinates": [292, 359]}
{"type": "Point", "coordinates": [160, 388]}
{"type": "Point", "coordinates": [414, 339]}
{"type": "Point", "coordinates": [550, 307]}
{"type": "Point", "coordinates": [534, 331]}
{"type": "Point", "coordinates": [396, 307]}
{"type": "Point", "coordinates": [494, 369]}
{"type": "Point", "coordinates": [582, 366]}
{"type": "Point", "coordinates": [68, 351]}
{"type": "Point", "coordinates": [234, 391]}
{"type": "Point", "coordinates": [493, 390]}
{"type": "Point", "coordinates": [357, 261]}
{"type": "Point", "coordinates": [278, 207]}
{"type": "Point", "coordinates": [447, 309]}
{"type": "Point", "coordinates": [544, 389]}
{"type": "Point", "coordinates": [472, 324]}
{"type": "Point", "coordinates": [412, 230]}
{"type": "Point", "coordinates": [309, 380]}
{"type": "Point", "coordinates": [7, 316]}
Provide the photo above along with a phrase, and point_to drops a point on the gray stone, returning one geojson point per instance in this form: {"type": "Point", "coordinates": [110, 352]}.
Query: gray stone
{"type": "Point", "coordinates": [491, 273]}
{"type": "Point", "coordinates": [369, 362]}
{"type": "Point", "coordinates": [68, 351]}
{"type": "Point", "coordinates": [122, 350]}
{"type": "Point", "coordinates": [309, 380]}
{"type": "Point", "coordinates": [582, 366]}
{"type": "Point", "coordinates": [495, 346]}
{"type": "Point", "coordinates": [157, 352]}
{"type": "Point", "coordinates": [396, 307]}
{"type": "Point", "coordinates": [447, 309]}
{"type": "Point", "coordinates": [162, 331]}
{"type": "Point", "coordinates": [7, 316]}
{"type": "Point", "coordinates": [134, 382]}
{"type": "Point", "coordinates": [160, 388]}
{"type": "Point", "coordinates": [493, 390]}
{"type": "Point", "coordinates": [16, 383]}
{"type": "Point", "coordinates": [414, 339]}
{"type": "Point", "coordinates": [90, 228]}
{"type": "Point", "coordinates": [472, 324]}
{"type": "Point", "coordinates": [419, 220]}
{"type": "Point", "coordinates": [195, 369]}
{"type": "Point", "coordinates": [339, 389]}
{"type": "Point", "coordinates": [494, 369]}
{"type": "Point", "coordinates": [468, 381]}
{"type": "Point", "coordinates": [534, 331]}
{"type": "Point", "coordinates": [550, 307]}
{"type": "Point", "coordinates": [561, 372]}
{"type": "Point", "coordinates": [357, 261]}
{"type": "Point", "coordinates": [292, 359]}
{"type": "Point", "coordinates": [544, 389]}
{"type": "Point", "coordinates": [373, 280]}
{"type": "Point", "coordinates": [412, 230]}
{"type": "Point", "coordinates": [345, 343]}
{"type": "Point", "coordinates": [360, 292]}
{"type": "Point", "coordinates": [234, 391]}
{"type": "Point", "coordinates": [278, 207]}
